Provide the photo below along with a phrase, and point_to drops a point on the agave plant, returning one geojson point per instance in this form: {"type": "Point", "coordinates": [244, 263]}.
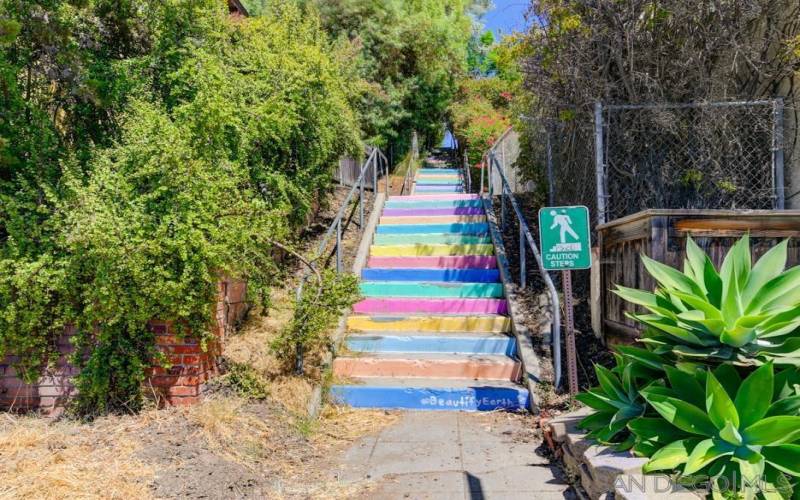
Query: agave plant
{"type": "Point", "coordinates": [743, 313]}
{"type": "Point", "coordinates": [731, 431]}
{"type": "Point", "coordinates": [616, 401]}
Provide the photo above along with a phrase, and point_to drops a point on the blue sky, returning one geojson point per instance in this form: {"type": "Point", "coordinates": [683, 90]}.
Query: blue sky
{"type": "Point", "coordinates": [506, 16]}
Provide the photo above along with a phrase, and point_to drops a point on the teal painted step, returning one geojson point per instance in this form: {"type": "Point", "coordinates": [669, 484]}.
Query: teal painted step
{"type": "Point", "coordinates": [454, 343]}
{"type": "Point", "coordinates": [432, 394]}
{"type": "Point", "coordinates": [431, 238]}
{"type": "Point", "coordinates": [394, 203]}
{"type": "Point", "coordinates": [432, 182]}
{"type": "Point", "coordinates": [420, 289]}
{"type": "Point", "coordinates": [439, 170]}
{"type": "Point", "coordinates": [461, 228]}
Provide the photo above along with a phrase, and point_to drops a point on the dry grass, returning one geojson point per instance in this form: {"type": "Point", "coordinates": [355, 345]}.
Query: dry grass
{"type": "Point", "coordinates": [43, 460]}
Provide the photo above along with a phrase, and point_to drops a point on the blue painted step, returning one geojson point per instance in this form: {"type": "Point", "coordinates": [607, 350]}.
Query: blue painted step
{"type": "Point", "coordinates": [456, 343]}
{"type": "Point", "coordinates": [467, 228]}
{"type": "Point", "coordinates": [422, 394]}
{"type": "Point", "coordinates": [439, 275]}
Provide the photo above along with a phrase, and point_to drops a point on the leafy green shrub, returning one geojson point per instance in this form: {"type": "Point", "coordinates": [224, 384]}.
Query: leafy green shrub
{"type": "Point", "coordinates": [746, 314]}
{"type": "Point", "coordinates": [247, 382]}
{"type": "Point", "coordinates": [315, 314]}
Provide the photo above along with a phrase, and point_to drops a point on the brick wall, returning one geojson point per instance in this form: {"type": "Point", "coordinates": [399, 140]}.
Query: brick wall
{"type": "Point", "coordinates": [181, 383]}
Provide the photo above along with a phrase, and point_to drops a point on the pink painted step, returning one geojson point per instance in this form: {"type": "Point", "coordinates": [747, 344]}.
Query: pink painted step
{"type": "Point", "coordinates": [428, 262]}
{"type": "Point", "coordinates": [421, 365]}
{"type": "Point", "coordinates": [431, 306]}
{"type": "Point", "coordinates": [395, 212]}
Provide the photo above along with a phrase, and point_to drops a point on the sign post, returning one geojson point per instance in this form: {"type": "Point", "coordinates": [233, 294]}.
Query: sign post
{"type": "Point", "coordinates": [566, 245]}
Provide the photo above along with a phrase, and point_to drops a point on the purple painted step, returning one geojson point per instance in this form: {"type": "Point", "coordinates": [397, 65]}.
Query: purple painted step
{"type": "Point", "coordinates": [394, 212]}
{"type": "Point", "coordinates": [428, 262]}
{"type": "Point", "coordinates": [431, 306]}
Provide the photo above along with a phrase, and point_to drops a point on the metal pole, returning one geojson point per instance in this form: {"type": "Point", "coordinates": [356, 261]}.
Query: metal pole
{"type": "Point", "coordinates": [551, 188]}
{"type": "Point", "coordinates": [339, 247]}
{"type": "Point", "coordinates": [374, 175]}
{"type": "Point", "coordinates": [572, 360]}
{"type": "Point", "coordinates": [777, 154]}
{"type": "Point", "coordinates": [599, 166]}
{"type": "Point", "coordinates": [522, 271]}
{"type": "Point", "coordinates": [386, 173]}
{"type": "Point", "coordinates": [361, 205]}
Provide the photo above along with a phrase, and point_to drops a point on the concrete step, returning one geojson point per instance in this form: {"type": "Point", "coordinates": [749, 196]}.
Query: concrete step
{"type": "Point", "coordinates": [430, 306]}
{"type": "Point", "coordinates": [390, 289]}
{"type": "Point", "coordinates": [489, 323]}
{"type": "Point", "coordinates": [396, 212]}
{"type": "Point", "coordinates": [443, 275]}
{"type": "Point", "coordinates": [431, 238]}
{"type": "Point", "coordinates": [428, 262]}
{"type": "Point", "coordinates": [431, 394]}
{"type": "Point", "coordinates": [469, 228]}
{"type": "Point", "coordinates": [427, 365]}
{"type": "Point", "coordinates": [432, 219]}
{"type": "Point", "coordinates": [453, 343]}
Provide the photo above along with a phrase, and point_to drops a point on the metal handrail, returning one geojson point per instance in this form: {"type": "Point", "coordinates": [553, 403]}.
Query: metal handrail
{"type": "Point", "coordinates": [526, 236]}
{"type": "Point", "coordinates": [375, 160]}
{"type": "Point", "coordinates": [467, 173]}
{"type": "Point", "coordinates": [413, 156]}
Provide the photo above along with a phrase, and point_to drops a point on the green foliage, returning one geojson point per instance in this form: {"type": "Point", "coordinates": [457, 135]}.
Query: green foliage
{"type": "Point", "coordinates": [410, 54]}
{"type": "Point", "coordinates": [744, 313]}
{"type": "Point", "coordinates": [246, 381]}
{"type": "Point", "coordinates": [616, 401]}
{"type": "Point", "coordinates": [315, 314]}
{"type": "Point", "coordinates": [140, 168]}
{"type": "Point", "coordinates": [737, 435]}
{"type": "Point", "coordinates": [709, 404]}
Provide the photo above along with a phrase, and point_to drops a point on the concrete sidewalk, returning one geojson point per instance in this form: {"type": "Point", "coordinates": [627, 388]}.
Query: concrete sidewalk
{"type": "Point", "coordinates": [455, 455]}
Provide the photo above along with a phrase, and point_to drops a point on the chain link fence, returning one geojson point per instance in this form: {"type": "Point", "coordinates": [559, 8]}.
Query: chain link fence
{"type": "Point", "coordinates": [628, 158]}
{"type": "Point", "coordinates": [708, 155]}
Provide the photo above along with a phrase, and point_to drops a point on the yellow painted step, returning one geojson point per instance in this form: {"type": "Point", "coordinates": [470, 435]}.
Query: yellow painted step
{"type": "Point", "coordinates": [432, 219]}
{"type": "Point", "coordinates": [482, 324]}
{"type": "Point", "coordinates": [420, 250]}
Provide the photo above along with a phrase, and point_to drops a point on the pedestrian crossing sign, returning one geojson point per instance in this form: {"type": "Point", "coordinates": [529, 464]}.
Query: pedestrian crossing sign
{"type": "Point", "coordinates": [565, 238]}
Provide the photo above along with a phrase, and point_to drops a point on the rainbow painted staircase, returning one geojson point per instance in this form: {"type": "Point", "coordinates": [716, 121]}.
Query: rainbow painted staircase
{"type": "Point", "coordinates": [432, 332]}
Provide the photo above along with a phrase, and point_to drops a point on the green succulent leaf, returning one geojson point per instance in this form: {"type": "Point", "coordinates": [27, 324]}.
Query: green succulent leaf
{"type": "Point", "coordinates": [670, 278]}
{"type": "Point", "coordinates": [643, 356]}
{"type": "Point", "coordinates": [785, 458]}
{"type": "Point", "coordinates": [681, 414]}
{"type": "Point", "coordinates": [753, 400]}
{"type": "Point", "coordinates": [773, 431]}
{"type": "Point", "coordinates": [672, 455]}
{"type": "Point", "coordinates": [727, 375]}
{"type": "Point", "coordinates": [596, 421]}
{"type": "Point", "coordinates": [594, 399]}
{"type": "Point", "coordinates": [686, 386]}
{"type": "Point", "coordinates": [706, 452]}
{"type": "Point", "coordinates": [719, 405]}
{"type": "Point", "coordinates": [786, 406]}
{"type": "Point", "coordinates": [610, 383]}
{"type": "Point", "coordinates": [769, 266]}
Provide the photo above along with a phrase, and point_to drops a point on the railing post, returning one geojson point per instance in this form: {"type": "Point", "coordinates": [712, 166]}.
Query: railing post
{"type": "Point", "coordinates": [599, 165]}
{"type": "Point", "coordinates": [777, 154]}
{"type": "Point", "coordinates": [386, 173]}
{"type": "Point", "coordinates": [339, 247]}
{"type": "Point", "coordinates": [361, 205]}
{"type": "Point", "coordinates": [522, 271]}
{"type": "Point", "coordinates": [374, 175]}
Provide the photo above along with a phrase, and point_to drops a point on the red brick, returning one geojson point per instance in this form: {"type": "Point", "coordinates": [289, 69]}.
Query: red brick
{"type": "Point", "coordinates": [183, 400]}
{"type": "Point", "coordinates": [183, 391]}
{"type": "Point", "coordinates": [190, 359]}
{"type": "Point", "coordinates": [182, 349]}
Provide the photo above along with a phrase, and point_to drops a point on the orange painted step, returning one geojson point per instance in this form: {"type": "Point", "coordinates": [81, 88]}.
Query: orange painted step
{"type": "Point", "coordinates": [421, 365]}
